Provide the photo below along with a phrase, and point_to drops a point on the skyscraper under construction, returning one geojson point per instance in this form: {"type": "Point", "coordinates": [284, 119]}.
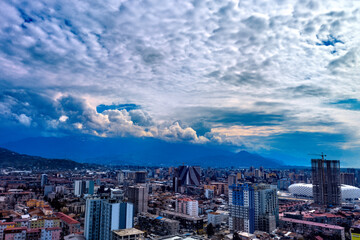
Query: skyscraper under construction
{"type": "Point", "coordinates": [326, 181]}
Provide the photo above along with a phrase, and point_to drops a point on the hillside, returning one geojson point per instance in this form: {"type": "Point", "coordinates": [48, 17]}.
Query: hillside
{"type": "Point", "coordinates": [21, 161]}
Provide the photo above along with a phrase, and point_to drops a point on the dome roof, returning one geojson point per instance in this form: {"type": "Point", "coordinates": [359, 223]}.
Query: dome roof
{"type": "Point", "coordinates": [305, 190]}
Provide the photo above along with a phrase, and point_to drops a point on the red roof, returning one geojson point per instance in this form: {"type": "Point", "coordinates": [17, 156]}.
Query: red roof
{"type": "Point", "coordinates": [312, 223]}
{"type": "Point", "coordinates": [66, 218]}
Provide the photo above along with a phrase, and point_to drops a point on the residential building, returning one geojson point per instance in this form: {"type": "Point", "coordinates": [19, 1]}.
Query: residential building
{"type": "Point", "coordinates": [104, 215]}
{"type": "Point", "coordinates": [138, 195]}
{"type": "Point", "coordinates": [253, 207]}
{"type": "Point", "coordinates": [326, 181]}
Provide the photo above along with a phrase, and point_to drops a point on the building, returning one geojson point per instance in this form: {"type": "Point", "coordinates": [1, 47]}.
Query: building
{"type": "Point", "coordinates": [347, 179]}
{"type": "Point", "coordinates": [158, 225]}
{"type": "Point", "coordinates": [128, 234]}
{"type": "Point", "coordinates": [44, 180]}
{"type": "Point", "coordinates": [253, 207]}
{"type": "Point", "coordinates": [326, 181]}
{"type": "Point", "coordinates": [140, 176]}
{"type": "Point", "coordinates": [68, 224]}
{"type": "Point", "coordinates": [83, 187]}
{"type": "Point", "coordinates": [186, 176]}
{"type": "Point", "coordinates": [138, 195]}
{"type": "Point", "coordinates": [104, 215]}
{"type": "Point", "coordinates": [216, 218]}
{"type": "Point", "coordinates": [232, 179]}
{"type": "Point", "coordinates": [187, 206]}
{"type": "Point", "coordinates": [92, 218]}
{"type": "Point", "coordinates": [304, 227]}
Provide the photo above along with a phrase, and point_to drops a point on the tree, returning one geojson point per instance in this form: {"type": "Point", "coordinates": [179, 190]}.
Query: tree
{"type": "Point", "coordinates": [210, 230]}
{"type": "Point", "coordinates": [236, 236]}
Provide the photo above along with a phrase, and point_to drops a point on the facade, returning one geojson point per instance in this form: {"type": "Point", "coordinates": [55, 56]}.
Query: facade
{"type": "Point", "coordinates": [92, 218]}
{"type": "Point", "coordinates": [216, 218]}
{"type": "Point", "coordinates": [253, 207]}
{"type": "Point", "coordinates": [326, 181]}
{"type": "Point", "coordinates": [103, 216]}
{"type": "Point", "coordinates": [83, 187]}
{"type": "Point", "coordinates": [187, 206]}
{"type": "Point", "coordinates": [138, 195]}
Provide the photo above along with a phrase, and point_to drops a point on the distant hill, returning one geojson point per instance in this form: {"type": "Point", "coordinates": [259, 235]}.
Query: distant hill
{"type": "Point", "coordinates": [138, 151]}
{"type": "Point", "coordinates": [12, 159]}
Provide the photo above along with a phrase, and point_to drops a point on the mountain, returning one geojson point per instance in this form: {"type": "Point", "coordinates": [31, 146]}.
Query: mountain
{"type": "Point", "coordinates": [12, 159]}
{"type": "Point", "coordinates": [137, 151]}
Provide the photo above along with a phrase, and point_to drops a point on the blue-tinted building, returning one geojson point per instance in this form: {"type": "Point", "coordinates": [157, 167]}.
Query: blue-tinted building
{"type": "Point", "coordinates": [102, 216]}
{"type": "Point", "coordinates": [253, 207]}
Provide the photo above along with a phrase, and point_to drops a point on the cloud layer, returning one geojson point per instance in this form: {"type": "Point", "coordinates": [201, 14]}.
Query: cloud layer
{"type": "Point", "coordinates": [238, 72]}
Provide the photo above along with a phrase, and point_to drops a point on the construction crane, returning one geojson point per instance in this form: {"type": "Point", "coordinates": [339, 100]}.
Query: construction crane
{"type": "Point", "coordinates": [322, 155]}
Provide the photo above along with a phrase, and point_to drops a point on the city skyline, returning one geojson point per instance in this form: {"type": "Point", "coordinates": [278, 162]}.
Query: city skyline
{"type": "Point", "coordinates": [278, 78]}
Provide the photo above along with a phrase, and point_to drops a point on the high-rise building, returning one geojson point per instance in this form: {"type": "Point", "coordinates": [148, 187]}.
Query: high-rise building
{"type": "Point", "coordinates": [79, 188]}
{"type": "Point", "coordinates": [140, 177]}
{"type": "Point", "coordinates": [92, 218]}
{"type": "Point", "coordinates": [186, 176]}
{"type": "Point", "coordinates": [232, 179]}
{"type": "Point", "coordinates": [326, 181]}
{"type": "Point", "coordinates": [253, 207]}
{"type": "Point", "coordinates": [138, 195]}
{"type": "Point", "coordinates": [89, 187]}
{"type": "Point", "coordinates": [83, 187]}
{"type": "Point", "coordinates": [44, 180]}
{"type": "Point", "coordinates": [102, 216]}
{"type": "Point", "coordinates": [347, 179]}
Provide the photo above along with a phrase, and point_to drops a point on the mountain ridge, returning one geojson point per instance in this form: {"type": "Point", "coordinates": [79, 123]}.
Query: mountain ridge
{"type": "Point", "coordinates": [137, 151]}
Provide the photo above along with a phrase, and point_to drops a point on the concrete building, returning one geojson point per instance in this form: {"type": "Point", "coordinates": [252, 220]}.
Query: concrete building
{"type": "Point", "coordinates": [44, 180]}
{"type": "Point", "coordinates": [300, 226]}
{"type": "Point", "coordinates": [187, 206]}
{"type": "Point", "coordinates": [83, 187]}
{"type": "Point", "coordinates": [138, 195]}
{"type": "Point", "coordinates": [326, 181]}
{"type": "Point", "coordinates": [102, 216]}
{"type": "Point", "coordinates": [158, 225]}
{"type": "Point", "coordinates": [347, 178]}
{"type": "Point", "coordinates": [253, 207]}
{"type": "Point", "coordinates": [128, 234]}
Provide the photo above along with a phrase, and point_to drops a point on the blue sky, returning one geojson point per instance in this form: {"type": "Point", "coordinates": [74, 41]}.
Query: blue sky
{"type": "Point", "coordinates": [273, 77]}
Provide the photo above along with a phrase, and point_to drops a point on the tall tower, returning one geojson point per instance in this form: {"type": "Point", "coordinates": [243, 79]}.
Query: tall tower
{"type": "Point", "coordinates": [104, 215]}
{"type": "Point", "coordinates": [138, 195]}
{"type": "Point", "coordinates": [326, 181]}
{"type": "Point", "coordinates": [253, 207]}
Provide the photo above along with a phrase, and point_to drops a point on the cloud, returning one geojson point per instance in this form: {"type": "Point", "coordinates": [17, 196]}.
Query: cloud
{"type": "Point", "coordinates": [68, 115]}
{"type": "Point", "coordinates": [162, 70]}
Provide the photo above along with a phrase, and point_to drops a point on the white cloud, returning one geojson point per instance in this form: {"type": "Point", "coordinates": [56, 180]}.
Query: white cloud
{"type": "Point", "coordinates": [177, 55]}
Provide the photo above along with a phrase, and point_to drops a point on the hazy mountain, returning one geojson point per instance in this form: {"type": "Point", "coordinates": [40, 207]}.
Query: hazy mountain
{"type": "Point", "coordinates": [137, 151]}
{"type": "Point", "coordinates": [12, 159]}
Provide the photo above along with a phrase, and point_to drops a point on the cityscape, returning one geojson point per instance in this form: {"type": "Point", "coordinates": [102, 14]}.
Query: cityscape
{"type": "Point", "coordinates": [179, 120]}
{"type": "Point", "coordinates": [180, 202]}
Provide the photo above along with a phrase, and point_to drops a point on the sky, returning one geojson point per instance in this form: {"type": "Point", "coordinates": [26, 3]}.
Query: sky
{"type": "Point", "coordinates": [280, 78]}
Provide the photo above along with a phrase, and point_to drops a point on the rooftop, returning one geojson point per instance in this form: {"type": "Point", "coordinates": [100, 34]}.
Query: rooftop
{"type": "Point", "coordinates": [127, 232]}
